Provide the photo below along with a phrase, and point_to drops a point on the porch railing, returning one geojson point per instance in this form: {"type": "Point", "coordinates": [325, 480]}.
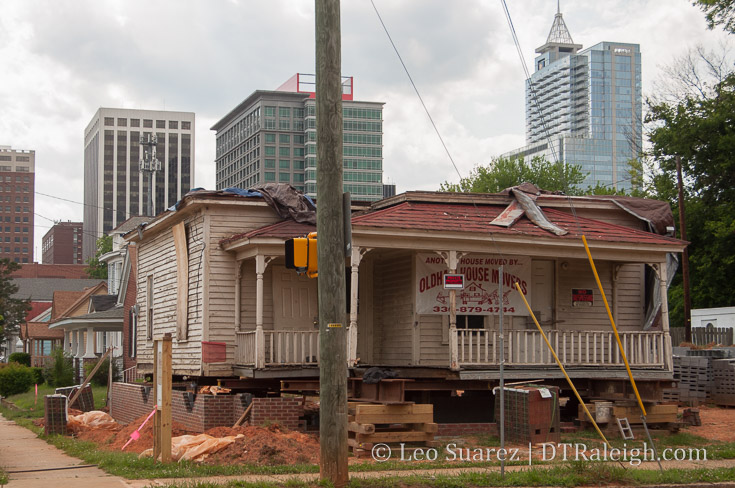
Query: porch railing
{"type": "Point", "coordinates": [131, 375]}
{"type": "Point", "coordinates": [271, 348]}
{"type": "Point", "coordinates": [574, 348]}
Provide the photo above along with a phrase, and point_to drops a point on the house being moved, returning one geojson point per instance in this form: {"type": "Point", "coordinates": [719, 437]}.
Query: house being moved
{"type": "Point", "coordinates": [212, 274]}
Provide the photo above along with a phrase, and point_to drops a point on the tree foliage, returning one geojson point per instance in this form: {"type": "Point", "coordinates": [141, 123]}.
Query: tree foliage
{"type": "Point", "coordinates": [719, 12]}
{"type": "Point", "coordinates": [701, 130]}
{"type": "Point", "coordinates": [95, 268]}
{"type": "Point", "coordinates": [12, 310]}
{"type": "Point", "coordinates": [503, 173]}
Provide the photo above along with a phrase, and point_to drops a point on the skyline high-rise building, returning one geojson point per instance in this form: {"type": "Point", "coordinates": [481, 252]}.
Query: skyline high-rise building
{"type": "Point", "coordinates": [62, 244]}
{"type": "Point", "coordinates": [584, 107]}
{"type": "Point", "coordinates": [271, 137]}
{"type": "Point", "coordinates": [17, 190]}
{"type": "Point", "coordinates": [114, 187]}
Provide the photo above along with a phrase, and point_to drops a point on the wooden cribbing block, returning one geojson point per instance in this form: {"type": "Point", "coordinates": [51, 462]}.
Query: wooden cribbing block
{"type": "Point", "coordinates": [394, 414]}
{"type": "Point", "coordinates": [394, 436]}
{"type": "Point", "coordinates": [361, 428]}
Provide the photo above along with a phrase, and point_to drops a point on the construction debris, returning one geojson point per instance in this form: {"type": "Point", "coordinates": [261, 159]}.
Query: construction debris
{"type": "Point", "coordinates": [213, 390]}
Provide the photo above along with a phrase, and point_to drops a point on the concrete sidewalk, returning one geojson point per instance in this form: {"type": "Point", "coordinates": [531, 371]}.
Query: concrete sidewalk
{"type": "Point", "coordinates": [33, 463]}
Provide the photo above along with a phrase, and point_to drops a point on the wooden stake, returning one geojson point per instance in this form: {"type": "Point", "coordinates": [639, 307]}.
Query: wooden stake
{"type": "Point", "coordinates": [89, 377]}
{"type": "Point", "coordinates": [162, 396]}
{"type": "Point", "coordinates": [330, 247]}
{"type": "Point", "coordinates": [244, 415]}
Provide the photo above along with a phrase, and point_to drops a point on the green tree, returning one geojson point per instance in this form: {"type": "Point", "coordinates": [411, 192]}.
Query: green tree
{"type": "Point", "coordinates": [95, 268]}
{"type": "Point", "coordinates": [701, 130]}
{"type": "Point", "coordinates": [718, 12]}
{"type": "Point", "coordinates": [503, 173]}
{"type": "Point", "coordinates": [12, 310]}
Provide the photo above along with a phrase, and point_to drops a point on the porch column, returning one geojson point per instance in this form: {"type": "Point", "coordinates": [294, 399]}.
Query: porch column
{"type": "Point", "coordinates": [453, 347]}
{"type": "Point", "coordinates": [668, 352]}
{"type": "Point", "coordinates": [355, 259]}
{"type": "Point", "coordinates": [70, 343]}
{"type": "Point", "coordinates": [80, 343]}
{"type": "Point", "coordinates": [89, 350]}
{"type": "Point", "coordinates": [238, 295]}
{"type": "Point", "coordinates": [259, 335]}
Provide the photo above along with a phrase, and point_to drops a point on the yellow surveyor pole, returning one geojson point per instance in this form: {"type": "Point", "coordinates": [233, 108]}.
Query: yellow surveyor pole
{"type": "Point", "coordinates": [615, 329]}
{"type": "Point", "coordinates": [561, 366]}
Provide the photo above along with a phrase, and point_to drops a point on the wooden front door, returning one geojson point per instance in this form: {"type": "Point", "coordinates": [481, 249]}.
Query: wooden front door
{"type": "Point", "coordinates": [295, 304]}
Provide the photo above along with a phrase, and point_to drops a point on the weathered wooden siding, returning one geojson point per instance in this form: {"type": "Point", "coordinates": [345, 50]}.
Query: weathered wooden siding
{"type": "Point", "coordinates": [157, 258]}
{"type": "Point", "coordinates": [579, 275]}
{"type": "Point", "coordinates": [224, 221]}
{"type": "Point", "coordinates": [393, 298]}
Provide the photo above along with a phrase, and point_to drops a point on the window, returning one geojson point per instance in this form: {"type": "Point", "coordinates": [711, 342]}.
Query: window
{"type": "Point", "coordinates": [133, 332]}
{"type": "Point", "coordinates": [134, 122]}
{"type": "Point", "coordinates": [160, 124]}
{"type": "Point", "coordinates": [470, 321]}
{"type": "Point", "coordinates": [284, 151]}
{"type": "Point", "coordinates": [122, 122]}
{"type": "Point", "coordinates": [149, 308]}
{"type": "Point", "coordinates": [109, 120]}
{"type": "Point", "coordinates": [284, 112]}
{"type": "Point", "coordinates": [284, 124]}
{"type": "Point", "coordinates": [185, 125]}
{"type": "Point", "coordinates": [284, 177]}
{"type": "Point", "coordinates": [284, 163]}
{"type": "Point", "coordinates": [270, 176]}
{"type": "Point", "coordinates": [284, 138]}
{"type": "Point", "coordinates": [270, 138]}
{"type": "Point", "coordinates": [270, 111]}
{"type": "Point", "coordinates": [147, 123]}
{"type": "Point", "coordinates": [270, 150]}
{"type": "Point", "coordinates": [173, 124]}
{"type": "Point", "coordinates": [270, 164]}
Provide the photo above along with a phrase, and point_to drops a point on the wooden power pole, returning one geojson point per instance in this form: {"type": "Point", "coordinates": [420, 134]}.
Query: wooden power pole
{"type": "Point", "coordinates": [684, 257]}
{"type": "Point", "coordinates": [330, 247]}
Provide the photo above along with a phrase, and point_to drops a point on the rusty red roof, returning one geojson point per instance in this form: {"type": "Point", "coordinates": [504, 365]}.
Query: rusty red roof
{"type": "Point", "coordinates": [476, 219]}
{"type": "Point", "coordinates": [440, 217]}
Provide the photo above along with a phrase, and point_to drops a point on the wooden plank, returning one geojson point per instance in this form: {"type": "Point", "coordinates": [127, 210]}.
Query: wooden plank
{"type": "Point", "coordinates": [399, 436]}
{"type": "Point", "coordinates": [182, 280]}
{"type": "Point", "coordinates": [245, 414]}
{"type": "Point", "coordinates": [394, 414]}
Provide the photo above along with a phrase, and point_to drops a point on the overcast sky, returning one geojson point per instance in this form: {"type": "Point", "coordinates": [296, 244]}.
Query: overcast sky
{"type": "Point", "coordinates": [63, 59]}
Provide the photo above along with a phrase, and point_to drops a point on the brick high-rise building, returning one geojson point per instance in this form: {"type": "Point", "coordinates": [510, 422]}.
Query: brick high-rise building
{"type": "Point", "coordinates": [17, 187]}
{"type": "Point", "coordinates": [62, 244]}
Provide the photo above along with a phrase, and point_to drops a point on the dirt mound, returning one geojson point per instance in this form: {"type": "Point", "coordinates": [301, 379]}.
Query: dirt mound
{"type": "Point", "coordinates": [266, 446]}
{"type": "Point", "coordinates": [716, 424]}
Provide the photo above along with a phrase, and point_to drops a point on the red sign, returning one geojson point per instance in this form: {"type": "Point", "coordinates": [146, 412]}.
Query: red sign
{"type": "Point", "coordinates": [582, 297]}
{"type": "Point", "coordinates": [454, 282]}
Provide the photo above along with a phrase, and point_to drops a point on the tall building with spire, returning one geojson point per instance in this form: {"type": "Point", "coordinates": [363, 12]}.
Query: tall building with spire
{"type": "Point", "coordinates": [583, 107]}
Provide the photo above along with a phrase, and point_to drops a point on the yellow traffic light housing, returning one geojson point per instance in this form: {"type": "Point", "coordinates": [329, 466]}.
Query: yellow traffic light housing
{"type": "Point", "coordinates": [301, 255]}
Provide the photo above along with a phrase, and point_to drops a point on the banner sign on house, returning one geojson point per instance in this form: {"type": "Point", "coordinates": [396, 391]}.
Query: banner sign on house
{"type": "Point", "coordinates": [480, 295]}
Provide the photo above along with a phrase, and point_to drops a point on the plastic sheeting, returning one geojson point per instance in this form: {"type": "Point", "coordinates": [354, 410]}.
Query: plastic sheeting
{"type": "Point", "coordinates": [195, 447]}
{"type": "Point", "coordinates": [94, 419]}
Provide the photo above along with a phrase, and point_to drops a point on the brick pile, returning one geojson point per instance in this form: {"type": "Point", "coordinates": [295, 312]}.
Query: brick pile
{"type": "Point", "coordinates": [55, 415]}
{"type": "Point", "coordinates": [724, 389]}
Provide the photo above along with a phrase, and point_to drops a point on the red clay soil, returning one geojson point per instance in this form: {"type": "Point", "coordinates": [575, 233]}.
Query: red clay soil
{"type": "Point", "coordinates": [260, 445]}
{"type": "Point", "coordinates": [265, 446]}
{"type": "Point", "coordinates": [717, 424]}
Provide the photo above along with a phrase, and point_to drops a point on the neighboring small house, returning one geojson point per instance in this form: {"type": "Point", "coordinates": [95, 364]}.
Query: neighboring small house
{"type": "Point", "coordinates": [38, 339]}
{"type": "Point", "coordinates": [38, 283]}
{"type": "Point", "coordinates": [212, 274]}
{"type": "Point", "coordinates": [80, 325]}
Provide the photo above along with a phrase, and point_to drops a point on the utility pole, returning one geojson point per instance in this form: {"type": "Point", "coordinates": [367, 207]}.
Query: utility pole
{"type": "Point", "coordinates": [684, 257]}
{"type": "Point", "coordinates": [330, 247]}
{"type": "Point", "coordinates": [148, 165]}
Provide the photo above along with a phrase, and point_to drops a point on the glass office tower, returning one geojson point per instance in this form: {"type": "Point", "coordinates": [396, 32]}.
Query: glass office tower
{"type": "Point", "coordinates": [584, 107]}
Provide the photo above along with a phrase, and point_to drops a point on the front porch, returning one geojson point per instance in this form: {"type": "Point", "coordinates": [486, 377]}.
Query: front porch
{"type": "Point", "coordinates": [475, 349]}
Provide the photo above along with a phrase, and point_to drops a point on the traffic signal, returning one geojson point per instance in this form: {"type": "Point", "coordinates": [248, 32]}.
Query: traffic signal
{"type": "Point", "coordinates": [301, 255]}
